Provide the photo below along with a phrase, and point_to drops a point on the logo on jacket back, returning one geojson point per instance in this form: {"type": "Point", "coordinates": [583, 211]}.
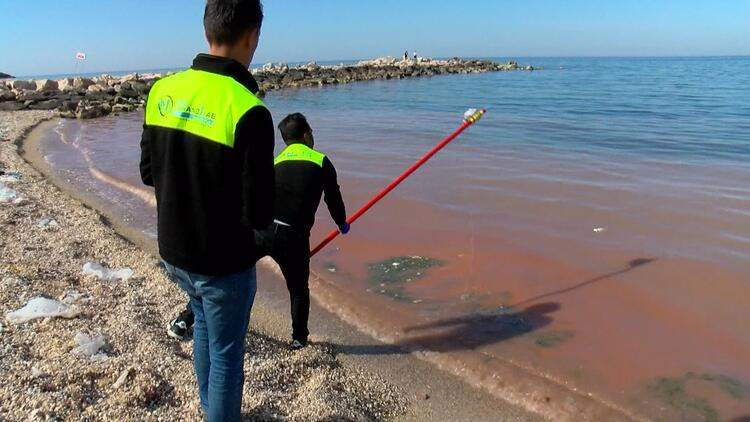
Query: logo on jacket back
{"type": "Point", "coordinates": [165, 106]}
{"type": "Point", "coordinates": [185, 110]}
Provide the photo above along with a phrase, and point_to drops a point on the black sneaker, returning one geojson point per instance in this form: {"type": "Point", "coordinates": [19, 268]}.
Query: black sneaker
{"type": "Point", "coordinates": [296, 344]}
{"type": "Point", "coordinates": [179, 327]}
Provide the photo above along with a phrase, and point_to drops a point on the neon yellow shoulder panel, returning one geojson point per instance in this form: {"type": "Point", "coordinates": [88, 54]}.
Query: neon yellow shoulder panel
{"type": "Point", "coordinates": [300, 152]}
{"type": "Point", "coordinates": [205, 104]}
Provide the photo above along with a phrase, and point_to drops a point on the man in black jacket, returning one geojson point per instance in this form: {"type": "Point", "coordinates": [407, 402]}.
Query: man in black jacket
{"type": "Point", "coordinates": [303, 175]}
{"type": "Point", "coordinates": [207, 149]}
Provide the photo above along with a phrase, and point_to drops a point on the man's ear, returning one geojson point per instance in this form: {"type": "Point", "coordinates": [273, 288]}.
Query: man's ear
{"type": "Point", "coordinates": [251, 37]}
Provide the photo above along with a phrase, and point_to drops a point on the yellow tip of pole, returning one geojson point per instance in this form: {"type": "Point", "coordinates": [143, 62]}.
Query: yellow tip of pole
{"type": "Point", "coordinates": [476, 116]}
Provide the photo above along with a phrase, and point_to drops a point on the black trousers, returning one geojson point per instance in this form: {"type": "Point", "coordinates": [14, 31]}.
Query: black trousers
{"type": "Point", "coordinates": [291, 250]}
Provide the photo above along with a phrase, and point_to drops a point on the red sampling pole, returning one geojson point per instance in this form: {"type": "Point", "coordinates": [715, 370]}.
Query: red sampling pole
{"type": "Point", "coordinates": [468, 121]}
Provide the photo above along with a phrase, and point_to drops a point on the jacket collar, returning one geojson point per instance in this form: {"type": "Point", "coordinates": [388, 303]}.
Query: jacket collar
{"type": "Point", "coordinates": [227, 67]}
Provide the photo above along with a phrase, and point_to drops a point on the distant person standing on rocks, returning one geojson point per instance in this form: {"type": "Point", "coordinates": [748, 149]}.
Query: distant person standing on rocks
{"type": "Point", "coordinates": [415, 55]}
{"type": "Point", "coordinates": [406, 55]}
{"type": "Point", "coordinates": [207, 148]}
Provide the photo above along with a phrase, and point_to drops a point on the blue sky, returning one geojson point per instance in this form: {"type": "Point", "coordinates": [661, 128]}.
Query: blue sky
{"type": "Point", "coordinates": [42, 36]}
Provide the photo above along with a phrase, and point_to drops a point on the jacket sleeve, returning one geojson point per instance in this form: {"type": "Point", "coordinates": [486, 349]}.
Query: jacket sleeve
{"type": "Point", "coordinates": [254, 140]}
{"type": "Point", "coordinates": [332, 193]}
{"type": "Point", "coordinates": [146, 175]}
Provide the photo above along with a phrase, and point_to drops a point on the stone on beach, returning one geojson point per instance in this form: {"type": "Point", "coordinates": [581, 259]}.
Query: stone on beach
{"type": "Point", "coordinates": [41, 307]}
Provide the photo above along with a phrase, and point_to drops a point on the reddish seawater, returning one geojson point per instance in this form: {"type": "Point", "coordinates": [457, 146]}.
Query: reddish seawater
{"type": "Point", "coordinates": [593, 228]}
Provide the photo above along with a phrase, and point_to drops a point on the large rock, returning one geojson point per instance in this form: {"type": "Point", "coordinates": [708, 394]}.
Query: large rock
{"type": "Point", "coordinates": [65, 85]}
{"type": "Point", "coordinates": [82, 83]}
{"type": "Point", "coordinates": [84, 111]}
{"type": "Point", "coordinates": [12, 106]}
{"type": "Point", "coordinates": [7, 95]}
{"type": "Point", "coordinates": [46, 85]}
{"type": "Point", "coordinates": [29, 95]}
{"type": "Point", "coordinates": [19, 85]}
{"type": "Point", "coordinates": [130, 77]}
{"type": "Point", "coordinates": [100, 89]}
{"type": "Point", "coordinates": [46, 105]}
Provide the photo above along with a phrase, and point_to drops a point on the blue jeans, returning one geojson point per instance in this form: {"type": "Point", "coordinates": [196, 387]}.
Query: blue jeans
{"type": "Point", "coordinates": [221, 305]}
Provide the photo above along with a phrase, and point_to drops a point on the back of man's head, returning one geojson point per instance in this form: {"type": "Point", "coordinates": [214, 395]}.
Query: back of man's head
{"type": "Point", "coordinates": [226, 21]}
{"type": "Point", "coordinates": [294, 127]}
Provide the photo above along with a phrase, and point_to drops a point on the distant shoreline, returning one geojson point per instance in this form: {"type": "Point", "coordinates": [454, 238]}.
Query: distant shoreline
{"type": "Point", "coordinates": [123, 72]}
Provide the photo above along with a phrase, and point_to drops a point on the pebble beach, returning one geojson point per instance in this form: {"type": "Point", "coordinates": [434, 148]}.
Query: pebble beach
{"type": "Point", "coordinates": [139, 374]}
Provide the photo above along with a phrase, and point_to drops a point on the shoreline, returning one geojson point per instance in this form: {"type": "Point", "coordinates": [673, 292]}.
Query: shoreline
{"type": "Point", "coordinates": [88, 98]}
{"type": "Point", "coordinates": [396, 386]}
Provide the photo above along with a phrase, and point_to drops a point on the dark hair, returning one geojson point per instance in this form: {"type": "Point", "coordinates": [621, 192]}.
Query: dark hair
{"type": "Point", "coordinates": [226, 21]}
{"type": "Point", "coordinates": [294, 127]}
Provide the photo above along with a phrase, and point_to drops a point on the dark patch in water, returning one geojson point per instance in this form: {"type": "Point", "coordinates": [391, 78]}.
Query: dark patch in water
{"type": "Point", "coordinates": [674, 391]}
{"type": "Point", "coordinates": [730, 386]}
{"type": "Point", "coordinates": [549, 339]}
{"type": "Point", "coordinates": [391, 275]}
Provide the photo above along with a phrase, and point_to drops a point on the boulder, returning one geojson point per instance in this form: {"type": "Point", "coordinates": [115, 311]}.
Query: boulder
{"type": "Point", "coordinates": [140, 87]}
{"type": "Point", "coordinates": [65, 85]}
{"type": "Point", "coordinates": [69, 106]}
{"type": "Point", "coordinates": [125, 90]}
{"type": "Point", "coordinates": [46, 105]}
{"type": "Point", "coordinates": [29, 95]}
{"type": "Point", "coordinates": [82, 83]}
{"type": "Point", "coordinates": [46, 85]}
{"type": "Point", "coordinates": [97, 88]}
{"type": "Point", "coordinates": [130, 77]}
{"type": "Point", "coordinates": [89, 111]}
{"type": "Point", "coordinates": [12, 106]}
{"type": "Point", "coordinates": [6, 95]}
{"type": "Point", "coordinates": [19, 85]}
{"type": "Point", "coordinates": [117, 108]}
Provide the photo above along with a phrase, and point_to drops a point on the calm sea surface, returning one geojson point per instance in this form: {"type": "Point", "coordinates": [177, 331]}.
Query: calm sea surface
{"type": "Point", "coordinates": [592, 231]}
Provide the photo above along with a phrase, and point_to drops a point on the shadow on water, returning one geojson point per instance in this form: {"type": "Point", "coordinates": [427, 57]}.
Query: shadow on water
{"type": "Point", "coordinates": [467, 332]}
{"type": "Point", "coordinates": [632, 265]}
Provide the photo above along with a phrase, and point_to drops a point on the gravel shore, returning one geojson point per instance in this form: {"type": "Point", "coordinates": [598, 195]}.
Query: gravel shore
{"type": "Point", "coordinates": [45, 239]}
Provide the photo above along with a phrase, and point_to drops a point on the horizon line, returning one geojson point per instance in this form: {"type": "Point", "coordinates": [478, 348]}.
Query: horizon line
{"type": "Point", "coordinates": [259, 64]}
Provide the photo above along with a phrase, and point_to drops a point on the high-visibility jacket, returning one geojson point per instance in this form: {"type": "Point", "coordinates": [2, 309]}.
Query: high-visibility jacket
{"type": "Point", "coordinates": [207, 149]}
{"type": "Point", "coordinates": [303, 175]}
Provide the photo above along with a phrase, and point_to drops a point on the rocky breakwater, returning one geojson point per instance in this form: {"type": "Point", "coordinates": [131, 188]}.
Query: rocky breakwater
{"type": "Point", "coordinates": [81, 98]}
{"type": "Point", "coordinates": [273, 77]}
{"type": "Point", "coordinates": [85, 98]}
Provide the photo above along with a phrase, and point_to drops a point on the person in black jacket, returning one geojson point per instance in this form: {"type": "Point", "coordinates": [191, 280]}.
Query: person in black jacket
{"type": "Point", "coordinates": [303, 175]}
{"type": "Point", "coordinates": [207, 149]}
